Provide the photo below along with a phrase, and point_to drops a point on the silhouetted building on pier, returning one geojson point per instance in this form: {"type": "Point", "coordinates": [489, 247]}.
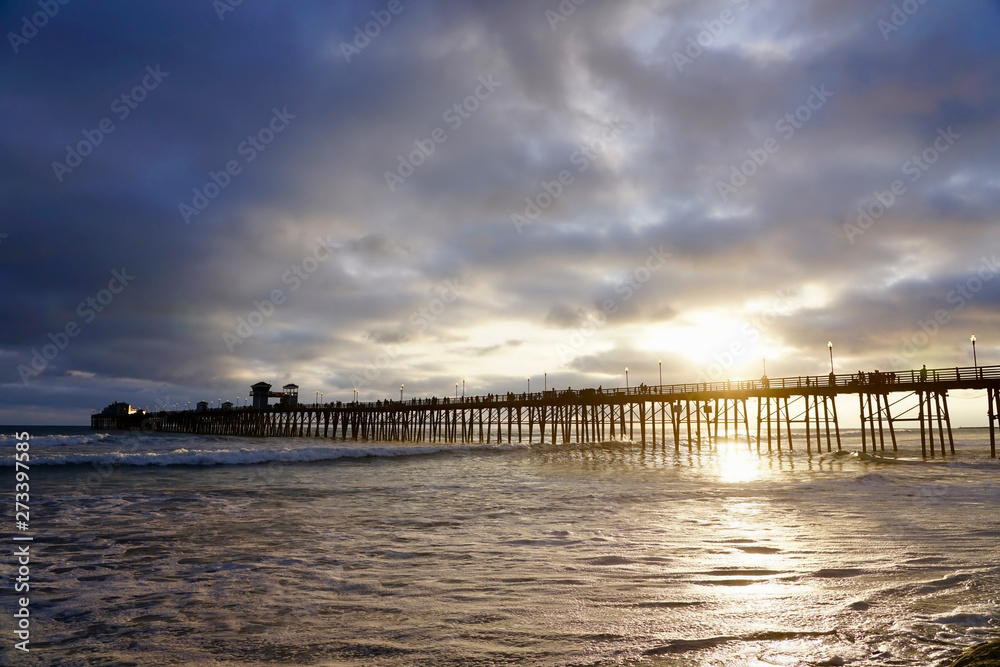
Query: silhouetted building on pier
{"type": "Point", "coordinates": [261, 392]}
{"type": "Point", "coordinates": [118, 409]}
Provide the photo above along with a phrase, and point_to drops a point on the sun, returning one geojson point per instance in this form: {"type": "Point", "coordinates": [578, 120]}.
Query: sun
{"type": "Point", "coordinates": [722, 345]}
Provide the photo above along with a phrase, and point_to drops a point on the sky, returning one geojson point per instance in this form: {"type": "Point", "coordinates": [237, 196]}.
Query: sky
{"type": "Point", "coordinates": [200, 195]}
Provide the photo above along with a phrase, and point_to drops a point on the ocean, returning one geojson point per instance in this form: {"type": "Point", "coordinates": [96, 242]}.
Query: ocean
{"type": "Point", "coordinates": [167, 549]}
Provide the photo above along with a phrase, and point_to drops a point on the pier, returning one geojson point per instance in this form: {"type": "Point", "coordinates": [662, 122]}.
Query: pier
{"type": "Point", "coordinates": [769, 414]}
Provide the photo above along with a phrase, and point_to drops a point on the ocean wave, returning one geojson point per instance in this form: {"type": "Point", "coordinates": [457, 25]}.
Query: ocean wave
{"type": "Point", "coordinates": [871, 479]}
{"type": "Point", "coordinates": [214, 457]}
{"type": "Point", "coordinates": [966, 619]}
{"type": "Point", "coordinates": [57, 440]}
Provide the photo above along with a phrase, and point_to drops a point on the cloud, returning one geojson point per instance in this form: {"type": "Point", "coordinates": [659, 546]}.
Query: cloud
{"type": "Point", "coordinates": [323, 177]}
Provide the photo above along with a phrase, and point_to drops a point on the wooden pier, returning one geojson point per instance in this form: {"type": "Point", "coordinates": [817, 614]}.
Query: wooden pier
{"type": "Point", "coordinates": [762, 413]}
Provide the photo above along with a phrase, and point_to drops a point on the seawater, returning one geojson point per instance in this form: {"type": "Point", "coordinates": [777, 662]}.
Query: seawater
{"type": "Point", "coordinates": [166, 549]}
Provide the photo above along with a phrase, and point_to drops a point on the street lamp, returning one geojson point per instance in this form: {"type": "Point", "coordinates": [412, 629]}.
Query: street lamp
{"type": "Point", "coordinates": [829, 344]}
{"type": "Point", "coordinates": [355, 394]}
{"type": "Point", "coordinates": [463, 387]}
{"type": "Point", "coordinates": [321, 397]}
{"type": "Point", "coordinates": [974, 361]}
{"type": "Point", "coordinates": [400, 393]}
{"type": "Point", "coordinates": [528, 378]}
{"type": "Point", "coordinates": [660, 362]}
{"type": "Point", "coordinates": [456, 391]}
{"type": "Point", "coordinates": [626, 379]}
{"type": "Point", "coordinates": [545, 387]}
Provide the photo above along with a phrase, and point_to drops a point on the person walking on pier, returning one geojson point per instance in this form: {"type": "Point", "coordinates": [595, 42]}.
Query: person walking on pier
{"type": "Point", "coordinates": [923, 373]}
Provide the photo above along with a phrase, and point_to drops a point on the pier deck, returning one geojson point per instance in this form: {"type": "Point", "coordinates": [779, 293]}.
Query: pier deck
{"type": "Point", "coordinates": [696, 413]}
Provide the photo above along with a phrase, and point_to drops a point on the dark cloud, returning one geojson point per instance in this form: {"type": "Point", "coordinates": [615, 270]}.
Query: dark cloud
{"type": "Point", "coordinates": [307, 216]}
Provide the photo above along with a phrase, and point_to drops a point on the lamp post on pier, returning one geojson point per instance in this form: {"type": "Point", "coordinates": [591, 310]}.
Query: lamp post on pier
{"type": "Point", "coordinates": [456, 391]}
{"type": "Point", "coordinates": [528, 378]}
{"type": "Point", "coordinates": [660, 364]}
{"type": "Point", "coordinates": [975, 362]}
{"type": "Point", "coordinates": [829, 344]}
{"type": "Point", "coordinates": [546, 385]}
{"type": "Point", "coordinates": [400, 393]}
{"type": "Point", "coordinates": [463, 387]}
{"type": "Point", "coordinates": [626, 379]}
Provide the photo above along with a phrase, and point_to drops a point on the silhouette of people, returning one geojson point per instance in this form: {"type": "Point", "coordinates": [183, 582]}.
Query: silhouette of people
{"type": "Point", "coordinates": [923, 373]}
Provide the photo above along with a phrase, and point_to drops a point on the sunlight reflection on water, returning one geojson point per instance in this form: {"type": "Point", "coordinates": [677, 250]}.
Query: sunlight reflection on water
{"type": "Point", "coordinates": [736, 464]}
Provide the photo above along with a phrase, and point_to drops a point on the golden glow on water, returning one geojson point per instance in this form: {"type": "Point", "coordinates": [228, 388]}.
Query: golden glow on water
{"type": "Point", "coordinates": [736, 464]}
{"type": "Point", "coordinates": [754, 575]}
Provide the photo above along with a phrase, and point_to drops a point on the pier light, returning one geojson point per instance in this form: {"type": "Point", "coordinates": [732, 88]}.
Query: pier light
{"type": "Point", "coordinates": [320, 397]}
{"type": "Point", "coordinates": [463, 387]}
{"type": "Point", "coordinates": [400, 393]}
{"type": "Point", "coordinates": [829, 344]}
{"type": "Point", "coordinates": [660, 364]}
{"type": "Point", "coordinates": [528, 378]}
{"type": "Point", "coordinates": [626, 379]}
{"type": "Point", "coordinates": [975, 362]}
{"type": "Point", "coordinates": [545, 385]}
{"type": "Point", "coordinates": [456, 391]}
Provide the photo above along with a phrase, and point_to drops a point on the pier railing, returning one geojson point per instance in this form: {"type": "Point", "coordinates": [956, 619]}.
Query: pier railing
{"type": "Point", "coordinates": [849, 382]}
